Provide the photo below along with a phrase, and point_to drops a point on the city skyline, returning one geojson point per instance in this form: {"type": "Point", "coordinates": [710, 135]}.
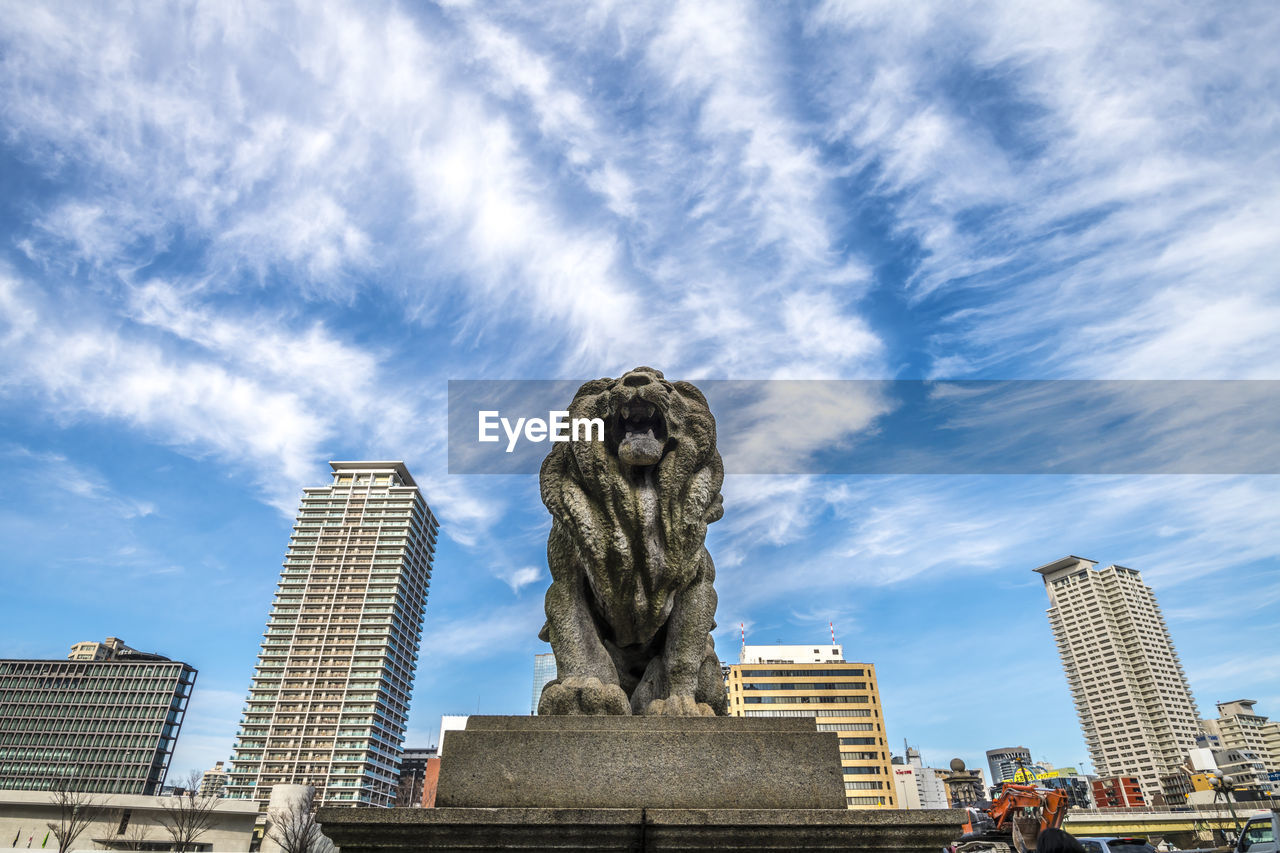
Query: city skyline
{"type": "Point", "coordinates": [225, 264]}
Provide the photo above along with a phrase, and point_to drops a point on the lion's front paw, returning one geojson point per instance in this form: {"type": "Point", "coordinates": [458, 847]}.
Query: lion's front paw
{"type": "Point", "coordinates": [679, 706]}
{"type": "Point", "coordinates": [584, 697]}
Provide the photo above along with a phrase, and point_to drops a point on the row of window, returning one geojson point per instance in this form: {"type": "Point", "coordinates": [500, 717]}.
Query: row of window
{"type": "Point", "coordinates": [806, 700]}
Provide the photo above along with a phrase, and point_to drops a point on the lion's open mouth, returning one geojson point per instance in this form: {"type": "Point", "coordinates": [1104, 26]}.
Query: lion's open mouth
{"type": "Point", "coordinates": [640, 430]}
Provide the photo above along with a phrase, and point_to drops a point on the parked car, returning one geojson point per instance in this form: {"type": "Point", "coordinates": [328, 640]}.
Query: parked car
{"type": "Point", "coordinates": [1117, 844]}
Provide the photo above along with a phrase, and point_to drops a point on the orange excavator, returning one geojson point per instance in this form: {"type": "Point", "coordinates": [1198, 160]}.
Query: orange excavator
{"type": "Point", "coordinates": [1013, 821]}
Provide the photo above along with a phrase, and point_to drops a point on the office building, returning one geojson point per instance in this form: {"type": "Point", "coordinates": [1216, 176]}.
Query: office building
{"type": "Point", "coordinates": [1005, 761]}
{"type": "Point", "coordinates": [544, 670]}
{"type": "Point", "coordinates": [816, 681]}
{"type": "Point", "coordinates": [99, 725]}
{"type": "Point", "coordinates": [413, 773]}
{"type": "Point", "coordinates": [329, 698]}
{"type": "Point", "coordinates": [1130, 692]}
{"type": "Point", "coordinates": [1238, 727]}
{"type": "Point", "coordinates": [917, 786]}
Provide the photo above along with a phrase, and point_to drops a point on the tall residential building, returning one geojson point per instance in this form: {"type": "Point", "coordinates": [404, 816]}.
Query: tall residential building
{"type": "Point", "coordinates": [1131, 694]}
{"type": "Point", "coordinates": [214, 780]}
{"type": "Point", "coordinates": [107, 726]}
{"type": "Point", "coordinates": [1238, 727]}
{"type": "Point", "coordinates": [1005, 761]}
{"type": "Point", "coordinates": [329, 699]}
{"type": "Point", "coordinates": [544, 670]}
{"type": "Point", "coordinates": [816, 681]}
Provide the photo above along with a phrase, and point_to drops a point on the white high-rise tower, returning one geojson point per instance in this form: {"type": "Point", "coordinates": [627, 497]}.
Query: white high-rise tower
{"type": "Point", "coordinates": [330, 695]}
{"type": "Point", "coordinates": [1132, 697]}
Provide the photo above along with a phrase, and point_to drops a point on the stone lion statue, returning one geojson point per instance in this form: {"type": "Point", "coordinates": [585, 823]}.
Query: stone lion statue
{"type": "Point", "coordinates": [631, 605]}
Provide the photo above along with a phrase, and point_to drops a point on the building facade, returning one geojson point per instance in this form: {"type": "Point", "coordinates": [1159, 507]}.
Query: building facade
{"type": "Point", "coordinates": [413, 773]}
{"type": "Point", "coordinates": [1238, 727]}
{"type": "Point", "coordinates": [1131, 694]}
{"type": "Point", "coordinates": [329, 699]}
{"type": "Point", "coordinates": [214, 780]}
{"type": "Point", "coordinates": [917, 786]}
{"type": "Point", "coordinates": [1005, 761]}
{"type": "Point", "coordinates": [104, 726]}
{"type": "Point", "coordinates": [121, 822]}
{"type": "Point", "coordinates": [816, 681]}
{"type": "Point", "coordinates": [1118, 792]}
{"type": "Point", "coordinates": [544, 670]}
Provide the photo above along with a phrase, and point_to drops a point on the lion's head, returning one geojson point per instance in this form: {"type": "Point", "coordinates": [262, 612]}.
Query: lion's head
{"type": "Point", "coordinates": [657, 466]}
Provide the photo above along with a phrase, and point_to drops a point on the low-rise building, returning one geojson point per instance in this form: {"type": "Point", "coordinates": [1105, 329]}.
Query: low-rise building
{"type": "Point", "coordinates": [121, 822]}
{"type": "Point", "coordinates": [1118, 792]}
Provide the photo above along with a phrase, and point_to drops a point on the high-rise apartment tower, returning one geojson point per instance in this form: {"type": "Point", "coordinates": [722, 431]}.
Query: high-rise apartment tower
{"type": "Point", "coordinates": [1131, 694]}
{"type": "Point", "coordinates": [329, 699]}
{"type": "Point", "coordinates": [816, 681]}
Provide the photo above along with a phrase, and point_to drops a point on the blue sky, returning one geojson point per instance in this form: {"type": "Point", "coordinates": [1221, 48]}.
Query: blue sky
{"type": "Point", "coordinates": [237, 242]}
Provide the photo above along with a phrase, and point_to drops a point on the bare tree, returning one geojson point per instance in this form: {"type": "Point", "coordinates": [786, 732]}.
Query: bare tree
{"type": "Point", "coordinates": [189, 814]}
{"type": "Point", "coordinates": [76, 810]}
{"type": "Point", "coordinates": [295, 829]}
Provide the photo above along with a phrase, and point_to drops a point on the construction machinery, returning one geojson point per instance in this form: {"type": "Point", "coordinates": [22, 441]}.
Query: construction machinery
{"type": "Point", "coordinates": [1013, 821]}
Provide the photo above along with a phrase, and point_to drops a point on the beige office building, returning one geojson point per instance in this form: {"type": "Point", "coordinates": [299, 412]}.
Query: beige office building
{"type": "Point", "coordinates": [1131, 694]}
{"type": "Point", "coordinates": [816, 681]}
{"type": "Point", "coordinates": [329, 699]}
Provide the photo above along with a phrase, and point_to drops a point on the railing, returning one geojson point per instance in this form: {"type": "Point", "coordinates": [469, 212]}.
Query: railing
{"type": "Point", "coordinates": [1215, 809]}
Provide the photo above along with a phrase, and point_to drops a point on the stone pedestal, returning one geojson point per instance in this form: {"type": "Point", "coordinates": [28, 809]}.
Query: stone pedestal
{"type": "Point", "coordinates": [641, 762]}
{"type": "Point", "coordinates": [640, 784]}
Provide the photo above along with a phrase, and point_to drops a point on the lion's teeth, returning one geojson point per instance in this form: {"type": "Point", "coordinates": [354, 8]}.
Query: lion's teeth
{"type": "Point", "coordinates": [649, 432]}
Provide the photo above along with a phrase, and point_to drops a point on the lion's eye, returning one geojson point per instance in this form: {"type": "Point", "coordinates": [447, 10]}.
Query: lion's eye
{"type": "Point", "coordinates": [667, 386]}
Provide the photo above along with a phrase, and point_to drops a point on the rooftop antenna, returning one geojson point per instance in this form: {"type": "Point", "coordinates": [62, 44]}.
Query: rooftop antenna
{"type": "Point", "coordinates": [832, 626]}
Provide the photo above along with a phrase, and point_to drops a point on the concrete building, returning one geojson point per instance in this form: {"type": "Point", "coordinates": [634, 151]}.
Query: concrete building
{"type": "Point", "coordinates": [917, 786]}
{"type": "Point", "coordinates": [1005, 761]}
{"type": "Point", "coordinates": [544, 670]}
{"type": "Point", "coordinates": [120, 822]}
{"type": "Point", "coordinates": [1238, 727]}
{"type": "Point", "coordinates": [329, 698]}
{"type": "Point", "coordinates": [98, 725]}
{"type": "Point", "coordinates": [816, 681]}
{"type": "Point", "coordinates": [1131, 694]}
